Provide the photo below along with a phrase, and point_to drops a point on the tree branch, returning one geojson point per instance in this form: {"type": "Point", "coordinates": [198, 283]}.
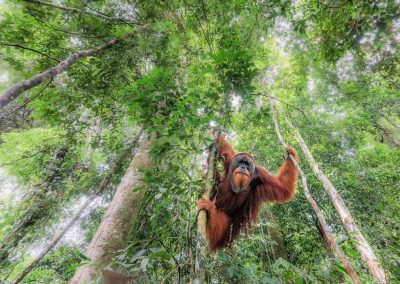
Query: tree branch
{"type": "Point", "coordinates": [334, 7]}
{"type": "Point", "coordinates": [78, 11]}
{"type": "Point", "coordinates": [175, 260]}
{"type": "Point", "coordinates": [290, 105]}
{"type": "Point", "coordinates": [78, 34]}
{"type": "Point", "coordinates": [27, 102]}
{"type": "Point", "coordinates": [30, 49]}
{"type": "Point", "coordinates": [73, 33]}
{"type": "Point", "coordinates": [16, 90]}
{"type": "Point", "coordinates": [22, 158]}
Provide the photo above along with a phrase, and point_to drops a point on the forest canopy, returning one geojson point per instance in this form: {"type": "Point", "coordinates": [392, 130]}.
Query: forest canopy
{"type": "Point", "coordinates": [110, 113]}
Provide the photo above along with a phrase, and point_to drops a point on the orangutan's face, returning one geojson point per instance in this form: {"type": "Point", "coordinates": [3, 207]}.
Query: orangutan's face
{"type": "Point", "coordinates": [241, 172]}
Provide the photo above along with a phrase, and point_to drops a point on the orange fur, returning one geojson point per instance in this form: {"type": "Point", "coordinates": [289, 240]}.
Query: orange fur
{"type": "Point", "coordinates": [229, 212]}
{"type": "Point", "coordinates": [219, 225]}
{"type": "Point", "coordinates": [240, 179]}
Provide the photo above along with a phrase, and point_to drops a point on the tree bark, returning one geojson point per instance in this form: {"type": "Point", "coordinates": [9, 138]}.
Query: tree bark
{"type": "Point", "coordinates": [362, 245]}
{"type": "Point", "coordinates": [325, 238]}
{"type": "Point", "coordinates": [103, 185]}
{"type": "Point", "coordinates": [326, 231]}
{"type": "Point", "coordinates": [201, 241]}
{"type": "Point", "coordinates": [113, 232]}
{"type": "Point", "coordinates": [16, 90]}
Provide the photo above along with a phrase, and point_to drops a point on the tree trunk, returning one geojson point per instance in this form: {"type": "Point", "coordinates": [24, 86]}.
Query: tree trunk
{"type": "Point", "coordinates": [325, 237]}
{"type": "Point", "coordinates": [361, 243]}
{"type": "Point", "coordinates": [326, 231]}
{"type": "Point", "coordinates": [112, 234]}
{"type": "Point", "coordinates": [103, 185]}
{"type": "Point", "coordinates": [201, 241]}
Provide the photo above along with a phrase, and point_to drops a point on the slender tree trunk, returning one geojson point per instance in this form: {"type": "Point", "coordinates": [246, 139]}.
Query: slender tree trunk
{"type": "Point", "coordinates": [103, 185]}
{"type": "Point", "coordinates": [121, 215]}
{"type": "Point", "coordinates": [325, 237]}
{"type": "Point", "coordinates": [16, 90]}
{"type": "Point", "coordinates": [333, 246]}
{"type": "Point", "coordinates": [41, 203]}
{"type": "Point", "coordinates": [201, 241]}
{"type": "Point", "coordinates": [361, 243]}
{"type": "Point", "coordinates": [278, 248]}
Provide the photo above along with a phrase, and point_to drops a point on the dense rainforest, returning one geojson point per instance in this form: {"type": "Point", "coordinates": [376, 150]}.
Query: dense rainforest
{"type": "Point", "coordinates": [110, 117]}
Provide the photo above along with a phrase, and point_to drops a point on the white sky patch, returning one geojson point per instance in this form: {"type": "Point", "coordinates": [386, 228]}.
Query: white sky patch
{"type": "Point", "coordinates": [319, 109]}
{"type": "Point", "coordinates": [147, 65]}
{"type": "Point", "coordinates": [201, 111]}
{"type": "Point", "coordinates": [396, 29]}
{"type": "Point", "coordinates": [389, 48]}
{"type": "Point", "coordinates": [231, 136]}
{"type": "Point", "coordinates": [333, 93]}
{"type": "Point", "coordinates": [332, 114]}
{"type": "Point", "coordinates": [369, 146]}
{"type": "Point", "coordinates": [75, 41]}
{"type": "Point", "coordinates": [9, 189]}
{"type": "Point", "coordinates": [259, 102]}
{"type": "Point", "coordinates": [347, 154]}
{"type": "Point", "coordinates": [4, 76]}
{"type": "Point", "coordinates": [310, 85]}
{"type": "Point", "coordinates": [298, 15]}
{"type": "Point", "coordinates": [62, 80]}
{"type": "Point", "coordinates": [124, 10]}
{"type": "Point", "coordinates": [270, 75]}
{"type": "Point", "coordinates": [335, 134]}
{"type": "Point", "coordinates": [373, 58]}
{"type": "Point", "coordinates": [344, 144]}
{"type": "Point", "coordinates": [282, 33]}
{"type": "Point", "coordinates": [234, 20]}
{"type": "Point", "coordinates": [236, 101]}
{"type": "Point", "coordinates": [389, 42]}
{"type": "Point", "coordinates": [345, 68]}
{"type": "Point", "coordinates": [102, 167]}
{"type": "Point", "coordinates": [203, 160]}
{"type": "Point", "coordinates": [368, 38]}
{"type": "Point", "coordinates": [10, 195]}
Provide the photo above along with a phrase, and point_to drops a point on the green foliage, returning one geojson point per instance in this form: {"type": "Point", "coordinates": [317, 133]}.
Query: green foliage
{"type": "Point", "coordinates": [234, 65]}
{"type": "Point", "coordinates": [43, 275]}
{"type": "Point", "coordinates": [56, 267]}
{"type": "Point", "coordinates": [332, 65]}
{"type": "Point", "coordinates": [28, 152]}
